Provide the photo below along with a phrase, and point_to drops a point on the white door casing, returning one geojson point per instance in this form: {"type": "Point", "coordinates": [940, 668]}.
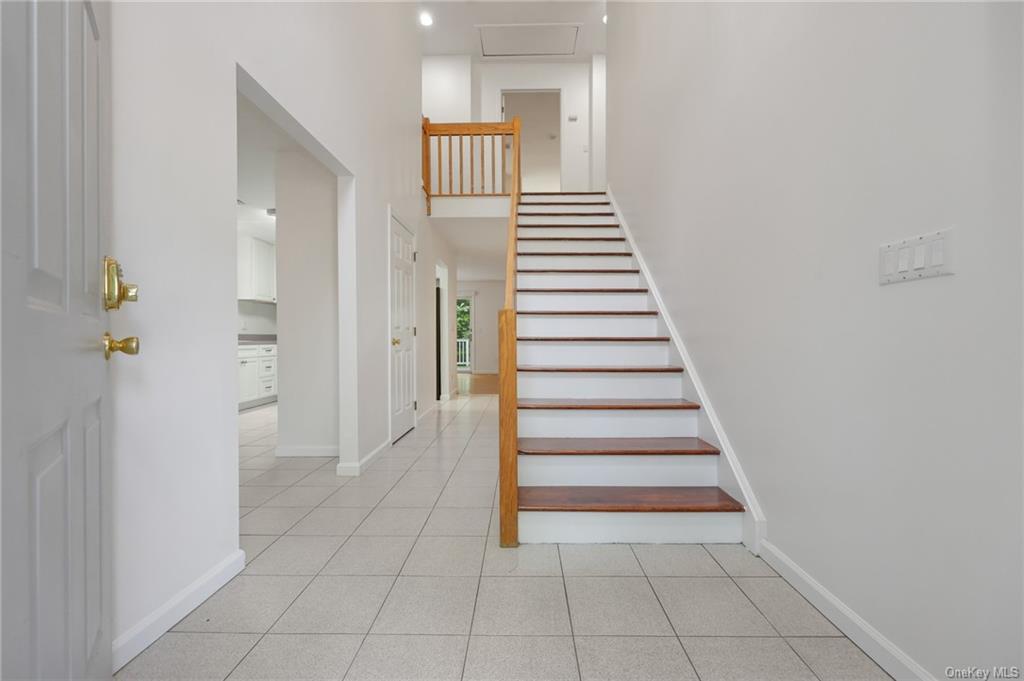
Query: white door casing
{"type": "Point", "coordinates": [402, 340]}
{"type": "Point", "coordinates": [56, 593]}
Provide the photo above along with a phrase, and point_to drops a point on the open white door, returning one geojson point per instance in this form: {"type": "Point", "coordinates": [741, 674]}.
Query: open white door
{"type": "Point", "coordinates": [56, 597]}
{"type": "Point", "coordinates": [403, 317]}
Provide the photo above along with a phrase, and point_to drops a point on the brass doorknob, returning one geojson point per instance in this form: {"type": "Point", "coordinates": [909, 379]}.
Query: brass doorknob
{"type": "Point", "coordinates": [396, 341]}
{"type": "Point", "coordinates": [129, 345]}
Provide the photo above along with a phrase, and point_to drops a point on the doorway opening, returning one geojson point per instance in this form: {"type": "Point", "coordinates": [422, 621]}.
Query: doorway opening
{"type": "Point", "coordinates": [442, 336]}
{"type": "Point", "coordinates": [539, 113]}
{"type": "Point", "coordinates": [464, 334]}
{"type": "Point", "coordinates": [402, 278]}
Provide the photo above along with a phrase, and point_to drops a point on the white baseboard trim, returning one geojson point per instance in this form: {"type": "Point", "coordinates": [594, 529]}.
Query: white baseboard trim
{"type": "Point", "coordinates": [756, 523]}
{"type": "Point", "coordinates": [349, 469]}
{"type": "Point", "coordinates": [299, 450]}
{"type": "Point", "coordinates": [883, 651]}
{"type": "Point", "coordinates": [445, 397]}
{"type": "Point", "coordinates": [157, 623]}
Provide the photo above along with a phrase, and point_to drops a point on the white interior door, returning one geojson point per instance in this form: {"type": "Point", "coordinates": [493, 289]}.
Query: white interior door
{"type": "Point", "coordinates": [403, 318]}
{"type": "Point", "coordinates": [55, 468]}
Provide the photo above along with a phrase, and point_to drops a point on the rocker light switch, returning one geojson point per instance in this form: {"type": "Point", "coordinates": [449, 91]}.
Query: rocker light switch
{"type": "Point", "coordinates": [919, 257]}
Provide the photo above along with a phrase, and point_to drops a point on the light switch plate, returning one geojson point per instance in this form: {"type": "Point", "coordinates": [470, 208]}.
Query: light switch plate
{"type": "Point", "coordinates": [918, 257]}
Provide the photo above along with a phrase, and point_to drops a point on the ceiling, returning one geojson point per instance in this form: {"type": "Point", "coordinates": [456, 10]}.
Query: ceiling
{"type": "Point", "coordinates": [455, 29]}
{"type": "Point", "coordinates": [259, 140]}
{"type": "Point", "coordinates": [479, 244]}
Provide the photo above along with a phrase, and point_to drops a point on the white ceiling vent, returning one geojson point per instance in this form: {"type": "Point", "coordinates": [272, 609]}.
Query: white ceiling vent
{"type": "Point", "coordinates": [528, 40]}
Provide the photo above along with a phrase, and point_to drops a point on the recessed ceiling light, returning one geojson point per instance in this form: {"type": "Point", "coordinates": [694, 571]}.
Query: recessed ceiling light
{"type": "Point", "coordinates": [605, 18]}
{"type": "Point", "coordinates": [426, 19]}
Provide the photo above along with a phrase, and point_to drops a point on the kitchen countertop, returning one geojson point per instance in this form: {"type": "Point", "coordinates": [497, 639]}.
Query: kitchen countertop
{"type": "Point", "coordinates": [257, 339]}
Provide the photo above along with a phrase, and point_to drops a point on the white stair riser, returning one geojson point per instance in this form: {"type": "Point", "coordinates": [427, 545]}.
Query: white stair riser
{"type": "Point", "coordinates": [551, 385]}
{"type": "Point", "coordinates": [568, 220]}
{"type": "Point", "coordinates": [619, 471]}
{"type": "Point", "coordinates": [583, 280]}
{"type": "Point", "coordinates": [569, 230]}
{"type": "Point", "coordinates": [603, 353]}
{"type": "Point", "coordinates": [526, 208]}
{"type": "Point", "coordinates": [575, 262]}
{"type": "Point", "coordinates": [608, 423]}
{"type": "Point", "coordinates": [526, 302]}
{"type": "Point", "coordinates": [581, 326]}
{"type": "Point", "coordinates": [568, 527]}
{"type": "Point", "coordinates": [526, 246]}
{"type": "Point", "coordinates": [565, 198]}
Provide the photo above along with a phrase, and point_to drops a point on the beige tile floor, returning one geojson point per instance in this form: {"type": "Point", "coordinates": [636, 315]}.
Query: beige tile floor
{"type": "Point", "coordinates": [397, 575]}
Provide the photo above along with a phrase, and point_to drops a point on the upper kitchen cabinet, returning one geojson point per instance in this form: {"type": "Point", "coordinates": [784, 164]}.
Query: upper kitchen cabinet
{"type": "Point", "coordinates": [257, 269]}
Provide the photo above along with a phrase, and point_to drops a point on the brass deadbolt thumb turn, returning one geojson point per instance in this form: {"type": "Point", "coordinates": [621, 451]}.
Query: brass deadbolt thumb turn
{"type": "Point", "coordinates": [129, 345]}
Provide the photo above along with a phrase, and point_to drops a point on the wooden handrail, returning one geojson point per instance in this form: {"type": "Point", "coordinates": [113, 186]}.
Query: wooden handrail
{"type": "Point", "coordinates": [452, 161]}
{"type": "Point", "coordinates": [508, 400]}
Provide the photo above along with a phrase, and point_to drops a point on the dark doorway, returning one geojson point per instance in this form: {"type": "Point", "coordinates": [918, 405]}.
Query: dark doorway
{"type": "Point", "coordinates": [437, 336]}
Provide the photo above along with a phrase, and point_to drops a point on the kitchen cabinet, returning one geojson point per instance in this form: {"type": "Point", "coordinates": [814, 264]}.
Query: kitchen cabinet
{"type": "Point", "coordinates": [257, 269]}
{"type": "Point", "coordinates": [257, 374]}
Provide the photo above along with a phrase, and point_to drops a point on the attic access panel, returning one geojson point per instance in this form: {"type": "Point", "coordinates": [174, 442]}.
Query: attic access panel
{"type": "Point", "coordinates": [528, 40]}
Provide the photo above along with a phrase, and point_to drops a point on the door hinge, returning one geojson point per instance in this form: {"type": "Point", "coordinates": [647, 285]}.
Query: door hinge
{"type": "Point", "coordinates": [414, 330]}
{"type": "Point", "coordinates": [415, 405]}
{"type": "Point", "coordinates": [414, 254]}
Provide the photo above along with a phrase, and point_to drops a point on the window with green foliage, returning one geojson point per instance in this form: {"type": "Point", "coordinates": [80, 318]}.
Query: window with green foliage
{"type": "Point", "coordinates": [463, 327]}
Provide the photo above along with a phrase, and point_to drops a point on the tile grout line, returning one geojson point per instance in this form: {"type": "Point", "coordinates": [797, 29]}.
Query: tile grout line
{"type": "Point", "coordinates": [411, 548]}
{"type": "Point", "coordinates": [661, 605]}
{"type": "Point", "coordinates": [770, 623]}
{"type": "Point", "coordinates": [568, 610]}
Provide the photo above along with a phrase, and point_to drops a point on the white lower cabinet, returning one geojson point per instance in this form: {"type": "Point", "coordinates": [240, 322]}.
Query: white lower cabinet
{"type": "Point", "coordinates": [257, 373]}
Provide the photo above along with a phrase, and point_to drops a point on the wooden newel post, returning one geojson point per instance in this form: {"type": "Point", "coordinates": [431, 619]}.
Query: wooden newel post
{"type": "Point", "coordinates": [426, 161]}
{"type": "Point", "coordinates": [508, 415]}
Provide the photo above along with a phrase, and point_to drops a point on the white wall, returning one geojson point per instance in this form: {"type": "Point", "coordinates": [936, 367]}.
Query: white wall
{"type": "Point", "coordinates": [573, 79]}
{"type": "Point", "coordinates": [307, 301]}
{"type": "Point", "coordinates": [446, 88]}
{"type": "Point", "coordinates": [761, 153]}
{"type": "Point", "coordinates": [598, 118]}
{"type": "Point", "coordinates": [488, 298]}
{"type": "Point", "coordinates": [174, 168]}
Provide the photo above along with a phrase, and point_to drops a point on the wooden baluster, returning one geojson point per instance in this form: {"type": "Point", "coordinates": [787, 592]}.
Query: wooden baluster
{"type": "Point", "coordinates": [494, 185]}
{"type": "Point", "coordinates": [462, 158]}
{"type": "Point", "coordinates": [503, 191]}
{"type": "Point", "coordinates": [440, 180]}
{"type": "Point", "coordinates": [451, 186]}
{"type": "Point", "coordinates": [483, 181]}
{"type": "Point", "coordinates": [471, 178]}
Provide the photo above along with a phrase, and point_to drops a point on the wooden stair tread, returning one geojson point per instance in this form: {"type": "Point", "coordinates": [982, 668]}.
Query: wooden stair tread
{"type": "Point", "coordinates": [619, 254]}
{"type": "Point", "coordinates": [571, 238]}
{"type": "Point", "coordinates": [616, 446]}
{"type": "Point", "coordinates": [554, 225]}
{"type": "Point", "coordinates": [571, 215]}
{"type": "Point", "coordinates": [591, 313]}
{"type": "Point", "coordinates": [628, 499]}
{"type": "Point", "coordinates": [611, 403]}
{"type": "Point", "coordinates": [565, 203]}
{"type": "Point", "coordinates": [595, 339]}
{"type": "Point", "coordinates": [581, 290]}
{"type": "Point", "coordinates": [588, 225]}
{"type": "Point", "coordinates": [604, 271]}
{"type": "Point", "coordinates": [563, 193]}
{"type": "Point", "coordinates": [602, 369]}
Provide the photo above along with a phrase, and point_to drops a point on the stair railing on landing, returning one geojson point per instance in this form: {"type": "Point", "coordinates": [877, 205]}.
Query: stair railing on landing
{"type": "Point", "coordinates": [470, 159]}
{"type": "Point", "coordinates": [508, 401]}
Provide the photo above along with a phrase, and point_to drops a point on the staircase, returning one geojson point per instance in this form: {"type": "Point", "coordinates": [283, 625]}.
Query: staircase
{"type": "Point", "coordinates": [608, 448]}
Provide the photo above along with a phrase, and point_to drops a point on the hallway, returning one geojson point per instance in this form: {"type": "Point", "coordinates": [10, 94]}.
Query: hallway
{"type": "Point", "coordinates": [397, 574]}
